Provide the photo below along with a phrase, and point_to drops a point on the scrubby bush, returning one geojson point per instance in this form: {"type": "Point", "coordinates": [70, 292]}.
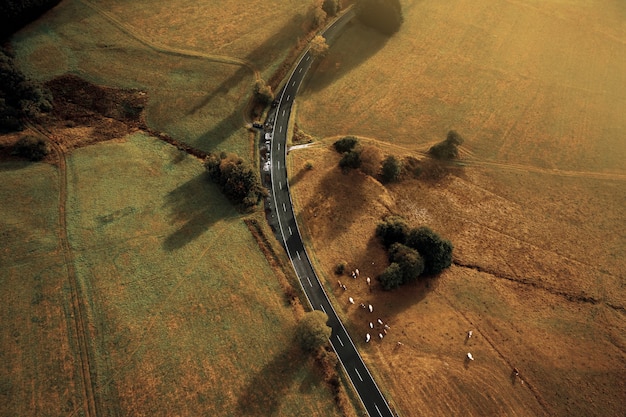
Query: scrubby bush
{"type": "Point", "coordinates": [447, 149]}
{"type": "Point", "coordinates": [340, 268]}
{"type": "Point", "coordinates": [318, 46]}
{"type": "Point", "coordinates": [391, 277]}
{"type": "Point", "coordinates": [263, 92]}
{"type": "Point", "coordinates": [32, 147]}
{"type": "Point", "coordinates": [345, 144]}
{"type": "Point", "coordinates": [392, 167]}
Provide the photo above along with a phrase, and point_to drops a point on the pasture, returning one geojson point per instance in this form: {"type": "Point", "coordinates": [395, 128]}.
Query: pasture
{"type": "Point", "coordinates": [537, 89]}
{"type": "Point", "coordinates": [179, 324]}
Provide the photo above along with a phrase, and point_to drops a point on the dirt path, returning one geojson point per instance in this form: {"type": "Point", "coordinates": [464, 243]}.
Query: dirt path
{"type": "Point", "coordinates": [79, 313]}
{"type": "Point", "coordinates": [168, 49]}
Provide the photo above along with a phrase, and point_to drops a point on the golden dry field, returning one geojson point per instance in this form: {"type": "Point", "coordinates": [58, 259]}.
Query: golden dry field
{"type": "Point", "coordinates": [536, 210]}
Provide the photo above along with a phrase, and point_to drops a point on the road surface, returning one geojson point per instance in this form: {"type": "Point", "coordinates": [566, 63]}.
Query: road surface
{"type": "Point", "coordinates": [362, 380]}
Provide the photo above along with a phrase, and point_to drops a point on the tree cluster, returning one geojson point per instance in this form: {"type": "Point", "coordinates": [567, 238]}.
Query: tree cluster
{"type": "Point", "coordinates": [312, 331]}
{"type": "Point", "coordinates": [382, 15]}
{"type": "Point", "coordinates": [237, 180]}
{"type": "Point", "coordinates": [391, 170]}
{"type": "Point", "coordinates": [412, 252]}
{"type": "Point", "coordinates": [331, 7]}
{"type": "Point", "coordinates": [351, 158]}
{"type": "Point", "coordinates": [20, 97]}
{"type": "Point", "coordinates": [447, 149]}
{"type": "Point", "coordinates": [16, 13]}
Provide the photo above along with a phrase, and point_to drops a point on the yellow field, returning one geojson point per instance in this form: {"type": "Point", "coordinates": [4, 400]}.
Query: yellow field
{"type": "Point", "coordinates": [538, 91]}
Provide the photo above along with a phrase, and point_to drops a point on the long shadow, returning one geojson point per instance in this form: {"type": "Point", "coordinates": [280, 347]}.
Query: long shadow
{"type": "Point", "coordinates": [197, 204]}
{"type": "Point", "coordinates": [355, 46]}
{"type": "Point", "coordinates": [263, 395]}
{"type": "Point", "coordinates": [340, 189]}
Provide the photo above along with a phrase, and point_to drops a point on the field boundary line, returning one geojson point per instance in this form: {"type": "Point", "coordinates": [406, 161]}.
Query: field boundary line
{"type": "Point", "coordinates": [224, 59]}
{"type": "Point", "coordinates": [81, 319]}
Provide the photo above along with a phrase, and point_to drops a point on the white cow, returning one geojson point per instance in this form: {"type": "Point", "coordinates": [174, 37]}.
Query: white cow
{"type": "Point", "coordinates": [351, 300]}
{"type": "Point", "coordinates": [371, 325]}
{"type": "Point", "coordinates": [380, 335]}
{"type": "Point", "coordinates": [379, 321]}
{"type": "Point", "coordinates": [368, 280]}
{"type": "Point", "coordinates": [469, 334]}
{"type": "Point", "coordinates": [387, 327]}
{"type": "Point", "coordinates": [371, 309]}
{"type": "Point", "coordinates": [356, 272]}
{"type": "Point", "coordinates": [367, 338]}
{"type": "Point", "coordinates": [469, 356]}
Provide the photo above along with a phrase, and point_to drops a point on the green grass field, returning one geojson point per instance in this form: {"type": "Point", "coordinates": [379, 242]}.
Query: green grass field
{"type": "Point", "coordinates": [186, 316]}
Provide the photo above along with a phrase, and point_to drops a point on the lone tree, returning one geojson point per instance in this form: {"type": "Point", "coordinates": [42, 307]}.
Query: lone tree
{"type": "Point", "coordinates": [263, 92]}
{"type": "Point", "coordinates": [391, 170]}
{"type": "Point", "coordinates": [437, 252]}
{"type": "Point", "coordinates": [382, 15]}
{"type": "Point", "coordinates": [447, 149]}
{"type": "Point", "coordinates": [318, 47]}
{"type": "Point", "coordinates": [312, 331]}
{"type": "Point", "coordinates": [350, 160]}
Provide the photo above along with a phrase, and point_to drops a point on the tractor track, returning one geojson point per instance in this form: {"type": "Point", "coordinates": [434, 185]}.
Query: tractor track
{"type": "Point", "coordinates": [79, 313]}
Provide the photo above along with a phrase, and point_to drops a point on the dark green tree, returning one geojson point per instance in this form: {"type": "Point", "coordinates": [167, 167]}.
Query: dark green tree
{"type": "Point", "coordinates": [449, 148]}
{"type": "Point", "coordinates": [350, 160]}
{"type": "Point", "coordinates": [331, 7]}
{"type": "Point", "coordinates": [393, 229]}
{"type": "Point", "coordinates": [410, 262]}
{"type": "Point", "coordinates": [391, 169]}
{"type": "Point", "coordinates": [312, 331]}
{"type": "Point", "coordinates": [263, 92]}
{"type": "Point", "coordinates": [345, 144]}
{"type": "Point", "coordinates": [383, 15]}
{"type": "Point", "coordinates": [437, 252]}
{"type": "Point", "coordinates": [391, 277]}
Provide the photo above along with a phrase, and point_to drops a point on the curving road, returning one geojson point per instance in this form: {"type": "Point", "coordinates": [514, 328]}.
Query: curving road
{"type": "Point", "coordinates": [361, 379]}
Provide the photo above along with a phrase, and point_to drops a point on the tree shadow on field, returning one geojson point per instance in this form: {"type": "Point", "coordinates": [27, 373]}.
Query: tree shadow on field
{"type": "Point", "coordinates": [263, 394]}
{"type": "Point", "coordinates": [353, 47]}
{"type": "Point", "coordinates": [336, 191]}
{"type": "Point", "coordinates": [198, 204]}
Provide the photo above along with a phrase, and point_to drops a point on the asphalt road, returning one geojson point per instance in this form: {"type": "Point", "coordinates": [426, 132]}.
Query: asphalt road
{"type": "Point", "coordinates": [281, 206]}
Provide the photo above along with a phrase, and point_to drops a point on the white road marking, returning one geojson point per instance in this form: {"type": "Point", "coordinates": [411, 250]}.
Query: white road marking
{"type": "Point", "coordinates": [355, 370]}
{"type": "Point", "coordinates": [288, 97]}
{"type": "Point", "coordinates": [342, 345]}
{"type": "Point", "coordinates": [279, 146]}
{"type": "Point", "coordinates": [278, 165]}
{"type": "Point", "coordinates": [379, 413]}
{"type": "Point", "coordinates": [308, 57]}
{"type": "Point", "coordinates": [293, 83]}
{"type": "Point", "coordinates": [298, 253]}
{"type": "Point", "coordinates": [284, 112]}
{"type": "Point", "coordinates": [280, 128]}
{"type": "Point", "coordinates": [322, 307]}
{"type": "Point", "coordinates": [300, 70]}
{"type": "Point", "coordinates": [289, 227]}
{"type": "Point", "coordinates": [309, 279]}
{"type": "Point", "coordinates": [284, 208]}
{"type": "Point", "coordinates": [280, 185]}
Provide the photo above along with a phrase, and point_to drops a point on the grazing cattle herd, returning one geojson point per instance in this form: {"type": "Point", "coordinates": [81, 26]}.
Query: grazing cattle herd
{"type": "Point", "coordinates": [383, 327]}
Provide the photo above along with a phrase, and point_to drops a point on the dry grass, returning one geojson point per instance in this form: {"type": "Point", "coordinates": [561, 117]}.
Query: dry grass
{"type": "Point", "coordinates": [535, 215]}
